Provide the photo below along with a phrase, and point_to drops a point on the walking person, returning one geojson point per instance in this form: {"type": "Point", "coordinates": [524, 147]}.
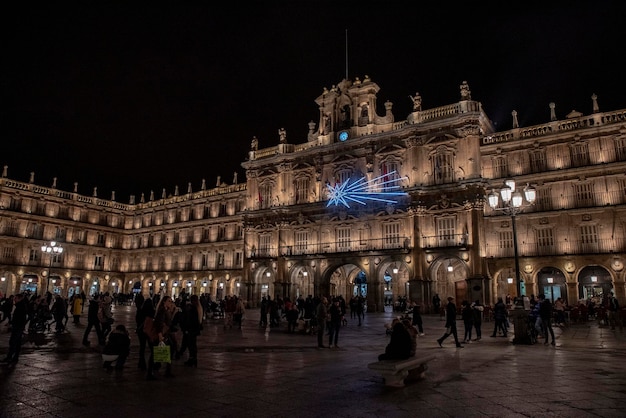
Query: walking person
{"type": "Point", "coordinates": [450, 324]}
{"type": "Point", "coordinates": [499, 315]}
{"type": "Point", "coordinates": [545, 313]}
{"type": "Point", "coordinates": [18, 325]}
{"type": "Point", "coordinates": [191, 326]}
{"type": "Point", "coordinates": [93, 321]}
{"type": "Point", "coordinates": [336, 316]}
{"type": "Point", "coordinates": [161, 329]}
{"type": "Point", "coordinates": [145, 310]}
{"type": "Point", "coordinates": [477, 311]}
{"type": "Point", "coordinates": [417, 319]}
{"type": "Point", "coordinates": [320, 314]}
{"type": "Point", "coordinates": [77, 308]}
{"type": "Point", "coordinates": [467, 315]}
{"type": "Point", "coordinates": [613, 310]}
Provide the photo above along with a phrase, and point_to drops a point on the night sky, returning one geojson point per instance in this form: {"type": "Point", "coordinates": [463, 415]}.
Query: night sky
{"type": "Point", "coordinates": [145, 97]}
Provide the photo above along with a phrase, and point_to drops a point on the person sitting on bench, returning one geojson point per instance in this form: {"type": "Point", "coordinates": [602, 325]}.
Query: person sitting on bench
{"type": "Point", "coordinates": [399, 347]}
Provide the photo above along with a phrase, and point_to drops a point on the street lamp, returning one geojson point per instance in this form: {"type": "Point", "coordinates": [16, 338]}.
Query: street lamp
{"type": "Point", "coordinates": [54, 249]}
{"type": "Point", "coordinates": [512, 204]}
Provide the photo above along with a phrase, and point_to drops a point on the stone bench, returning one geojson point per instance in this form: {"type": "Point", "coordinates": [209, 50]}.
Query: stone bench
{"type": "Point", "coordinates": [395, 372]}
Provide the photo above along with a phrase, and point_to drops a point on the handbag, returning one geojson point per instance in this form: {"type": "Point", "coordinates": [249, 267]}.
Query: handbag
{"type": "Point", "coordinates": [161, 353]}
{"type": "Point", "coordinates": [149, 330]}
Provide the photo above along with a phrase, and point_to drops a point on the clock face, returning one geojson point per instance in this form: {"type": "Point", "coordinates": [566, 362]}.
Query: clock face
{"type": "Point", "coordinates": [343, 136]}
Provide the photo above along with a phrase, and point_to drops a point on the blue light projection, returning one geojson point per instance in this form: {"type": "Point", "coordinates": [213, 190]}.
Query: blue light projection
{"type": "Point", "coordinates": [379, 189]}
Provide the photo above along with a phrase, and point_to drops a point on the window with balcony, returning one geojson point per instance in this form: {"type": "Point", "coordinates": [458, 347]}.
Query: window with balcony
{"type": "Point", "coordinates": [584, 194]}
{"type": "Point", "coordinates": [500, 167]}
{"type": "Point", "coordinates": [505, 243]}
{"type": "Point", "coordinates": [101, 239]}
{"type": "Point", "coordinates": [446, 229]}
{"type": "Point", "coordinates": [238, 259]}
{"type": "Point", "coordinates": [443, 167]}
{"type": "Point", "coordinates": [390, 176]}
{"type": "Point", "coordinates": [8, 254]}
{"type": "Point", "coordinates": [302, 190]}
{"type": "Point", "coordinates": [343, 239]}
{"type": "Point", "coordinates": [265, 195]}
{"type": "Point", "coordinates": [537, 161]}
{"type": "Point", "coordinates": [265, 244]}
{"type": "Point", "coordinates": [301, 241]}
{"type": "Point", "coordinates": [620, 149]}
{"type": "Point", "coordinates": [544, 199]}
{"type": "Point", "coordinates": [391, 235]}
{"type": "Point", "coordinates": [98, 262]}
{"type": "Point", "coordinates": [33, 256]}
{"type": "Point", "coordinates": [544, 238]}
{"type": "Point", "coordinates": [579, 154]}
{"type": "Point", "coordinates": [589, 238]}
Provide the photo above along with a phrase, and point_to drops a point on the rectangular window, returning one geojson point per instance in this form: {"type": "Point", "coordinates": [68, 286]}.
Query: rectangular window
{"type": "Point", "coordinates": [544, 198]}
{"type": "Point", "coordinates": [80, 260]}
{"type": "Point", "coordinates": [537, 161]}
{"type": "Point", "coordinates": [390, 176]}
{"type": "Point", "coordinates": [7, 254]}
{"type": "Point", "coordinates": [205, 260]}
{"type": "Point", "coordinates": [584, 194]}
{"type": "Point", "coordinates": [580, 155]}
{"type": "Point", "coordinates": [391, 235]}
{"type": "Point", "coordinates": [545, 239]}
{"type": "Point", "coordinates": [34, 255]}
{"type": "Point", "coordinates": [589, 238]}
{"type": "Point", "coordinates": [302, 190]}
{"type": "Point", "coordinates": [265, 196]}
{"type": "Point", "coordinates": [265, 242]}
{"type": "Point", "coordinates": [101, 239]}
{"type": "Point", "coordinates": [238, 259]}
{"type": "Point", "coordinates": [302, 242]}
{"type": "Point", "coordinates": [505, 241]}
{"type": "Point", "coordinates": [443, 168]}
{"type": "Point", "coordinates": [221, 233]}
{"type": "Point", "coordinates": [620, 149]}
{"type": "Point", "coordinates": [500, 167]}
{"type": "Point", "coordinates": [343, 239]}
{"type": "Point", "coordinates": [98, 262]}
{"type": "Point", "coordinates": [446, 231]}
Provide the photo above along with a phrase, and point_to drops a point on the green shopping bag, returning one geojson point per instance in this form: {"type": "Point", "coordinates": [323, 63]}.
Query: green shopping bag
{"type": "Point", "coordinates": [161, 353]}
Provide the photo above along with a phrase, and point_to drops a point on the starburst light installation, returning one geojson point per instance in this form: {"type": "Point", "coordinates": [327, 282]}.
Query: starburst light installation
{"type": "Point", "coordinates": [361, 191]}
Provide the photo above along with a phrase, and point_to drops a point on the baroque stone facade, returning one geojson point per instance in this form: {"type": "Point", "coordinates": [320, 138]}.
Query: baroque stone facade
{"type": "Point", "coordinates": [363, 205]}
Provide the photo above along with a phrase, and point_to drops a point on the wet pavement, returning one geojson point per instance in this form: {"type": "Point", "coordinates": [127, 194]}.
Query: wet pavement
{"type": "Point", "coordinates": [266, 372]}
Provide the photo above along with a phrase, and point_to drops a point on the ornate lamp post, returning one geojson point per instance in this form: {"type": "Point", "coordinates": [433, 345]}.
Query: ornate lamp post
{"type": "Point", "coordinates": [512, 204]}
{"type": "Point", "coordinates": [54, 249]}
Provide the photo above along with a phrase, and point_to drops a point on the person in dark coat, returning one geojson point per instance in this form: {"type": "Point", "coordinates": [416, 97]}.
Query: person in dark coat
{"type": "Point", "coordinates": [399, 347]}
{"type": "Point", "coordinates": [18, 324]}
{"type": "Point", "coordinates": [450, 323]}
{"type": "Point", "coordinates": [191, 326]}
{"type": "Point", "coordinates": [145, 310]}
{"type": "Point", "coordinates": [116, 349]}
{"type": "Point", "coordinates": [93, 321]}
{"type": "Point", "coordinates": [499, 315]}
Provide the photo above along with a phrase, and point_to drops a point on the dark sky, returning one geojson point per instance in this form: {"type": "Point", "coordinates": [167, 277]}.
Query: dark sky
{"type": "Point", "coordinates": [145, 97]}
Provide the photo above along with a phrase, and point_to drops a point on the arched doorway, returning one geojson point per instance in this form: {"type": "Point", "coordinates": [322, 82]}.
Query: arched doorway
{"type": "Point", "coordinates": [594, 282]}
{"type": "Point", "coordinates": [551, 283]}
{"type": "Point", "coordinates": [450, 275]}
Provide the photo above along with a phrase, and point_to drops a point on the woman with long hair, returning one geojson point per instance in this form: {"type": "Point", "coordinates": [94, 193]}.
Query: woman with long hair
{"type": "Point", "coordinates": [165, 311]}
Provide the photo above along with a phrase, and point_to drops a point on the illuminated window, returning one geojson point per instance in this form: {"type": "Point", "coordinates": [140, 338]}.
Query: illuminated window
{"type": "Point", "coordinates": [265, 195]}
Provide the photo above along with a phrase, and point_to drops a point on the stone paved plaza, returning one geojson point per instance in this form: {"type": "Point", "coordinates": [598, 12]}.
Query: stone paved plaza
{"type": "Point", "coordinates": [257, 372]}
